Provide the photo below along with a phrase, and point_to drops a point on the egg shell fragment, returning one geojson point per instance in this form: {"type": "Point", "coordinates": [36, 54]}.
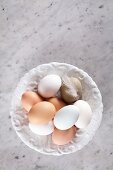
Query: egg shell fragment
{"type": "Point", "coordinates": [66, 117]}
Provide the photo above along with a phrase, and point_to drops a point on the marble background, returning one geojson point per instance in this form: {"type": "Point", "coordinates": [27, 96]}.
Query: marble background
{"type": "Point", "coordinates": [79, 32]}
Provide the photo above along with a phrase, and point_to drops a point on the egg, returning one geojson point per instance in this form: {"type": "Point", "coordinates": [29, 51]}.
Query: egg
{"type": "Point", "coordinates": [42, 129]}
{"type": "Point", "coordinates": [58, 103]}
{"type": "Point", "coordinates": [62, 137]}
{"type": "Point", "coordinates": [85, 114]}
{"type": "Point", "coordinates": [41, 113]}
{"type": "Point", "coordinates": [29, 98]}
{"type": "Point", "coordinates": [49, 85]}
{"type": "Point", "coordinates": [71, 89]}
{"type": "Point", "coordinates": [66, 117]}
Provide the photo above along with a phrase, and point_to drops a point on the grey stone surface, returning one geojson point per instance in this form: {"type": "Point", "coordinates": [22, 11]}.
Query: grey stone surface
{"type": "Point", "coordinates": [73, 31]}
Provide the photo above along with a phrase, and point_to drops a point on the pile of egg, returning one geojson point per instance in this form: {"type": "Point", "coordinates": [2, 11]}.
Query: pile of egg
{"type": "Point", "coordinates": [57, 108]}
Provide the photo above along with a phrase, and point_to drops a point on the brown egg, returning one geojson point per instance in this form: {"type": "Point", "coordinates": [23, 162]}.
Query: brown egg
{"type": "Point", "coordinates": [62, 137]}
{"type": "Point", "coordinates": [58, 103]}
{"type": "Point", "coordinates": [41, 113]}
{"type": "Point", "coordinates": [29, 98]}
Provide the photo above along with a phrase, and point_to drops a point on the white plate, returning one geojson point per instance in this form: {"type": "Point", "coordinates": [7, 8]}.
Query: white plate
{"type": "Point", "coordinates": [44, 144]}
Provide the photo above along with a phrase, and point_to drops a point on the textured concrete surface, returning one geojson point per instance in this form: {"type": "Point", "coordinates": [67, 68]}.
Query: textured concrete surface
{"type": "Point", "coordinates": [39, 31]}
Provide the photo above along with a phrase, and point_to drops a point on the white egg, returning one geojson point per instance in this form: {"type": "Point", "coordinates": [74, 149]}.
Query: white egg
{"type": "Point", "coordinates": [66, 117]}
{"type": "Point", "coordinates": [49, 85]}
{"type": "Point", "coordinates": [85, 114]}
{"type": "Point", "coordinates": [42, 129]}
